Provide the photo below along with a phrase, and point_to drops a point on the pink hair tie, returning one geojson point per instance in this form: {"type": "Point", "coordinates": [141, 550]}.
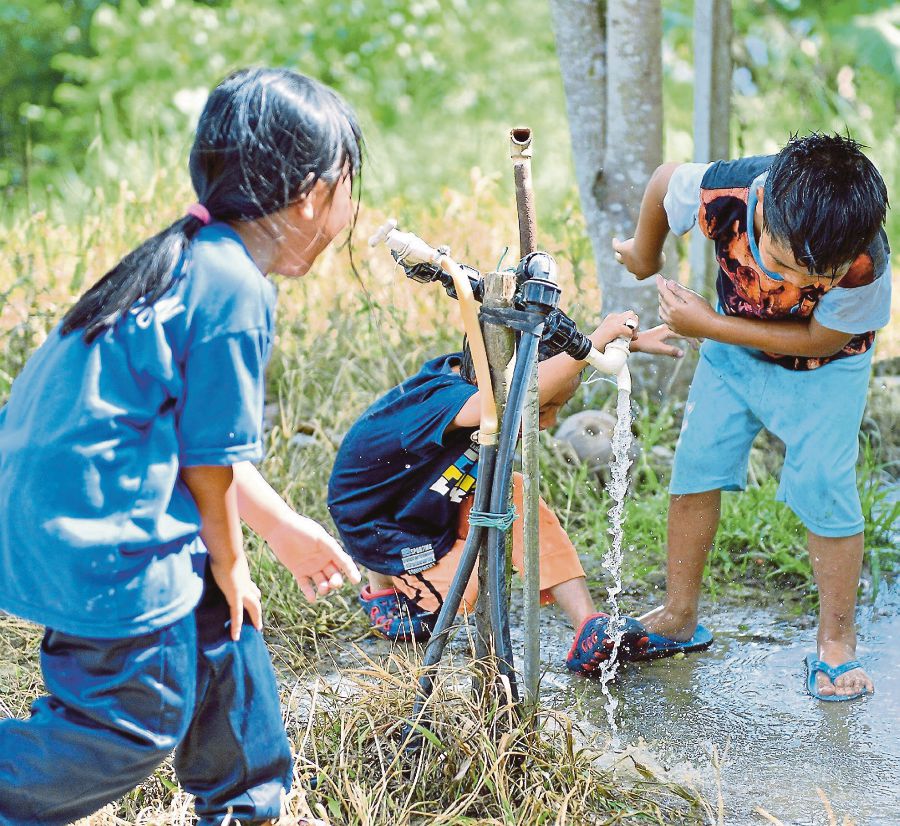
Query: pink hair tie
{"type": "Point", "coordinates": [200, 212]}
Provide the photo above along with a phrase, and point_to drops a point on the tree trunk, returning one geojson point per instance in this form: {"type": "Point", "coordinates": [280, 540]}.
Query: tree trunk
{"type": "Point", "coordinates": [580, 28]}
{"type": "Point", "coordinates": [611, 61]}
{"type": "Point", "coordinates": [712, 115]}
{"type": "Point", "coordinates": [633, 141]}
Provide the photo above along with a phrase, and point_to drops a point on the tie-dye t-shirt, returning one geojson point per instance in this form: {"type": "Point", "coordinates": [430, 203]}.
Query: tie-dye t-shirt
{"type": "Point", "coordinates": [720, 198]}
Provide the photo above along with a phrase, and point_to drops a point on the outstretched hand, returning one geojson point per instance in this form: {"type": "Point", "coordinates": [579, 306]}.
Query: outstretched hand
{"type": "Point", "coordinates": [654, 341]}
{"type": "Point", "coordinates": [687, 313]}
{"type": "Point", "coordinates": [312, 555]}
{"type": "Point", "coordinates": [615, 325]}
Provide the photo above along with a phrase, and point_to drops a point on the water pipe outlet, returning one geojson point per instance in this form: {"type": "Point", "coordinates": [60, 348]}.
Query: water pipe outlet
{"type": "Point", "coordinates": [614, 360]}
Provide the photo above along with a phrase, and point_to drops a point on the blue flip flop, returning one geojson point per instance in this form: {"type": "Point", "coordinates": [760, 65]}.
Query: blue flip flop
{"type": "Point", "coordinates": [814, 665]}
{"type": "Point", "coordinates": [658, 646]}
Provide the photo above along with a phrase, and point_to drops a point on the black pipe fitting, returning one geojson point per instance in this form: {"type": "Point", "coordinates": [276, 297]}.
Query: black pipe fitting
{"type": "Point", "coordinates": [536, 265]}
{"type": "Point", "coordinates": [536, 279]}
{"type": "Point", "coordinates": [560, 333]}
{"type": "Point", "coordinates": [538, 295]}
{"type": "Point", "coordinates": [427, 273]}
{"type": "Point", "coordinates": [562, 336]}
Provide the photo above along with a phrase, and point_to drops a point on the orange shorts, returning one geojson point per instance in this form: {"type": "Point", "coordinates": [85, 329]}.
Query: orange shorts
{"type": "Point", "coordinates": [558, 559]}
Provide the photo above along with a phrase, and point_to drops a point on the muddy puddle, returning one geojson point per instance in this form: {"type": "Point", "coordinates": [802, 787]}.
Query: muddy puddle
{"type": "Point", "coordinates": [736, 723]}
{"type": "Point", "coordinates": [743, 706]}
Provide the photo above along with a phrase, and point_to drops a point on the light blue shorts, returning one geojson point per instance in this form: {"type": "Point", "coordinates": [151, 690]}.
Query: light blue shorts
{"type": "Point", "coordinates": [816, 413]}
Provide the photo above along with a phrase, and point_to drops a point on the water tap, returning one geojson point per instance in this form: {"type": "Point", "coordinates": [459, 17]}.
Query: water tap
{"type": "Point", "coordinates": [614, 360]}
{"type": "Point", "coordinates": [407, 249]}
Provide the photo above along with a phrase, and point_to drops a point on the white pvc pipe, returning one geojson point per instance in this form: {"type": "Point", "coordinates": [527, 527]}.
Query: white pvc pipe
{"type": "Point", "coordinates": [614, 361]}
{"type": "Point", "coordinates": [411, 249]}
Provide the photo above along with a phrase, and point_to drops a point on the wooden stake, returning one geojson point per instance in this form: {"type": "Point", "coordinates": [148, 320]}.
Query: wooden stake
{"type": "Point", "coordinates": [499, 341]}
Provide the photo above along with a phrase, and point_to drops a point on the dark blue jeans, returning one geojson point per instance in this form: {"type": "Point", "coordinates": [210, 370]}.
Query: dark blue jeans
{"type": "Point", "coordinates": [117, 708]}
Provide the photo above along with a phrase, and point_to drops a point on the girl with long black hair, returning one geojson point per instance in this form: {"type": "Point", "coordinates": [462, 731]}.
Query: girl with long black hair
{"type": "Point", "coordinates": [125, 469]}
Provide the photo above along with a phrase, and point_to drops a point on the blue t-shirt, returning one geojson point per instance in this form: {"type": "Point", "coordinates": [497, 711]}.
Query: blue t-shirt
{"type": "Point", "coordinates": [97, 529]}
{"type": "Point", "coordinates": [398, 479]}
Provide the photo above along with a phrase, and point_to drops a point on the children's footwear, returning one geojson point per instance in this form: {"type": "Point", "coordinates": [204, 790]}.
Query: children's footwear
{"type": "Point", "coordinates": [395, 617]}
{"type": "Point", "coordinates": [814, 665]}
{"type": "Point", "coordinates": [658, 646]}
{"type": "Point", "coordinates": [592, 645]}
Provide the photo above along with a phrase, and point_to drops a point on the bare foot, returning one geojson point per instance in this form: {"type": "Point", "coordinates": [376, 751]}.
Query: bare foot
{"type": "Point", "coordinates": [851, 682]}
{"type": "Point", "coordinates": [671, 624]}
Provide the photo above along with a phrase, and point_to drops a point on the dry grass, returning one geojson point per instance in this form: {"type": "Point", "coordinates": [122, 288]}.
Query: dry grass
{"type": "Point", "coordinates": [339, 347]}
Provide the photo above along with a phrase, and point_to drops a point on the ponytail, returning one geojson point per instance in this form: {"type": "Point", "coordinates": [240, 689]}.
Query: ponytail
{"type": "Point", "coordinates": [264, 139]}
{"type": "Point", "coordinates": [145, 273]}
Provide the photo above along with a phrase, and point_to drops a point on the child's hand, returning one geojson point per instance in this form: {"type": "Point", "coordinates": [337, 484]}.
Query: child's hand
{"type": "Point", "coordinates": [241, 593]}
{"type": "Point", "coordinates": [687, 314]}
{"type": "Point", "coordinates": [654, 342]}
{"type": "Point", "coordinates": [309, 552]}
{"type": "Point", "coordinates": [631, 259]}
{"type": "Point", "coordinates": [614, 326]}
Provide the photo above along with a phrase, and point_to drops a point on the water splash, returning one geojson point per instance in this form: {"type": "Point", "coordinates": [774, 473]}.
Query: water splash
{"type": "Point", "coordinates": [612, 559]}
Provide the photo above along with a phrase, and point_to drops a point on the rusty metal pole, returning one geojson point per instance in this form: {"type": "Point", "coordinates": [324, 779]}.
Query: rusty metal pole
{"type": "Point", "coordinates": [520, 154]}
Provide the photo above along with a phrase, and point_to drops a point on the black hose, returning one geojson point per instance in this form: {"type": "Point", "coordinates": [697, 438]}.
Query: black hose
{"type": "Point", "coordinates": [496, 544]}
{"type": "Point", "coordinates": [487, 456]}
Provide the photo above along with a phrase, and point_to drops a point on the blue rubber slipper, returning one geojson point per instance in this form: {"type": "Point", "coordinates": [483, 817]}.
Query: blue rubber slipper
{"type": "Point", "coordinates": [592, 645]}
{"type": "Point", "coordinates": [658, 646]}
{"type": "Point", "coordinates": [814, 665]}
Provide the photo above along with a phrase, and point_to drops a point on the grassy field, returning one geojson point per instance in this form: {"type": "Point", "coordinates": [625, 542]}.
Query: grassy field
{"type": "Point", "coordinates": [340, 344]}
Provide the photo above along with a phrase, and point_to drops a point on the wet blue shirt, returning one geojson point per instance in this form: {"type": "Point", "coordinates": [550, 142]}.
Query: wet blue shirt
{"type": "Point", "coordinates": [399, 478]}
{"type": "Point", "coordinates": [97, 529]}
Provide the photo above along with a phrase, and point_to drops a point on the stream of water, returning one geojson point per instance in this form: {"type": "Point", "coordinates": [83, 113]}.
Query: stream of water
{"type": "Point", "coordinates": [612, 559]}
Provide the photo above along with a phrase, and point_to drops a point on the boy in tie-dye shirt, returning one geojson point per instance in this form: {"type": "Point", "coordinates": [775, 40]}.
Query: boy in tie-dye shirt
{"type": "Point", "coordinates": [804, 282]}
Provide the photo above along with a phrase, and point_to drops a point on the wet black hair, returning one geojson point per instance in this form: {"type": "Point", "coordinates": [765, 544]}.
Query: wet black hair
{"type": "Point", "coordinates": [825, 199]}
{"type": "Point", "coordinates": [264, 139]}
{"type": "Point", "coordinates": [467, 366]}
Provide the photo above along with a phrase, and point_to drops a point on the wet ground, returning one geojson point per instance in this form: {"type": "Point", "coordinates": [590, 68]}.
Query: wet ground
{"type": "Point", "coordinates": [745, 701]}
{"type": "Point", "coordinates": [736, 721]}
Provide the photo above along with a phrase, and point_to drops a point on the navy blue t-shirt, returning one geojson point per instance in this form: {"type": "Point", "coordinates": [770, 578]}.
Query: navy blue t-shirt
{"type": "Point", "coordinates": [398, 479]}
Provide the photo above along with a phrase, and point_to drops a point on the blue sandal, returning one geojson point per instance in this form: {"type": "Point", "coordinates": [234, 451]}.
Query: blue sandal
{"type": "Point", "coordinates": [814, 665]}
{"type": "Point", "coordinates": [658, 646]}
{"type": "Point", "coordinates": [592, 645]}
{"type": "Point", "coordinates": [395, 617]}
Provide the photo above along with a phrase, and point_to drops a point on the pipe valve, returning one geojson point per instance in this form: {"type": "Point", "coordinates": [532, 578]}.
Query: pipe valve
{"type": "Point", "coordinates": [407, 249]}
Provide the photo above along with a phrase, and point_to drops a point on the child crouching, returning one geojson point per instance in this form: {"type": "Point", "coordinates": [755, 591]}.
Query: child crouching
{"type": "Point", "coordinates": [401, 491]}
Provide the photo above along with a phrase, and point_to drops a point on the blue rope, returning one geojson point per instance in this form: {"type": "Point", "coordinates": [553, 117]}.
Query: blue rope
{"type": "Point", "coordinates": [486, 519]}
